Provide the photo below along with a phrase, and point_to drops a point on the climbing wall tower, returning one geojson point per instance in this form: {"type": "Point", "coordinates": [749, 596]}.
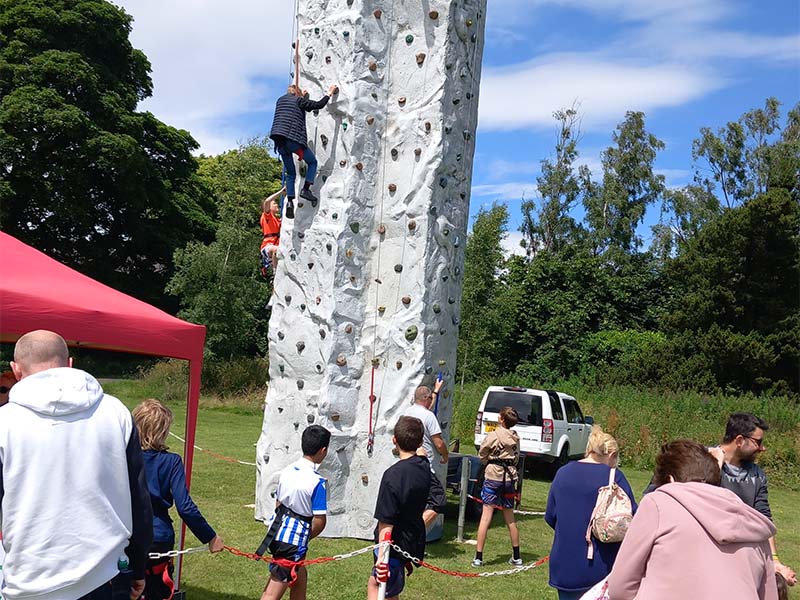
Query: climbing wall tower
{"type": "Point", "coordinates": [368, 285]}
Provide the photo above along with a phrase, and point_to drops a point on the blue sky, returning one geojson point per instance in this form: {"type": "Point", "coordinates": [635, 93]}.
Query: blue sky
{"type": "Point", "coordinates": [218, 68]}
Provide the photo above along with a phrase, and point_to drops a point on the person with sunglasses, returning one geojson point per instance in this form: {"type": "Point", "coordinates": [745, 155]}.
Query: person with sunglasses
{"type": "Point", "coordinates": [742, 443]}
{"type": "Point", "coordinates": [7, 381]}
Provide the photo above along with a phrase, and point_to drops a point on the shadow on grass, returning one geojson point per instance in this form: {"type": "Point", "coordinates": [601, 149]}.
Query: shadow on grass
{"type": "Point", "coordinates": [199, 593]}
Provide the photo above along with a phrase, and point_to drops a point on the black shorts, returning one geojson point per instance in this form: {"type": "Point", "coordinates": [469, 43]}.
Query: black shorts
{"type": "Point", "coordinates": [397, 577]}
{"type": "Point", "coordinates": [436, 497]}
{"type": "Point", "coordinates": [283, 550]}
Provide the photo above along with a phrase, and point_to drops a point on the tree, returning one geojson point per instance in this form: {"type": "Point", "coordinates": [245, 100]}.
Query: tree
{"type": "Point", "coordinates": [84, 177]}
{"type": "Point", "coordinates": [684, 212]}
{"type": "Point", "coordinates": [548, 227]}
{"type": "Point", "coordinates": [616, 208]}
{"type": "Point", "coordinates": [218, 284]}
{"type": "Point", "coordinates": [482, 326]}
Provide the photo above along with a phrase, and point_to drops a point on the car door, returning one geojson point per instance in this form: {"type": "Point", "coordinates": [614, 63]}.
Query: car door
{"type": "Point", "coordinates": [559, 425]}
{"type": "Point", "coordinates": [576, 428]}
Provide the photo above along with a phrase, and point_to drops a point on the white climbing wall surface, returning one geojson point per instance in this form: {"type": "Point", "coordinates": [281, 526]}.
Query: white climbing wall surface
{"type": "Point", "coordinates": [368, 283]}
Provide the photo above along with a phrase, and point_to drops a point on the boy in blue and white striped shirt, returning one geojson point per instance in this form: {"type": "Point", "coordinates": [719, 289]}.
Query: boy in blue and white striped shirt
{"type": "Point", "coordinates": [300, 513]}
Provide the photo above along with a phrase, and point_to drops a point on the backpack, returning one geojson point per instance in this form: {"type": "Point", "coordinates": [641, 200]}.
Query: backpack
{"type": "Point", "coordinates": [611, 515]}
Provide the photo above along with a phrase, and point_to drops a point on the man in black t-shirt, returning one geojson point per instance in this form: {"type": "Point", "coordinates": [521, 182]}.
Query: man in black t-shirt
{"type": "Point", "coordinates": [401, 501]}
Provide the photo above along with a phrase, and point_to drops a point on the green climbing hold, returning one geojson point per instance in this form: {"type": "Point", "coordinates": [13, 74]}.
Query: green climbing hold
{"type": "Point", "coordinates": [409, 38]}
{"type": "Point", "coordinates": [346, 34]}
{"type": "Point", "coordinates": [411, 333]}
{"type": "Point", "coordinates": [335, 216]}
{"type": "Point", "coordinates": [316, 30]}
{"type": "Point", "coordinates": [469, 22]}
{"type": "Point", "coordinates": [344, 126]}
{"type": "Point", "coordinates": [355, 227]}
{"type": "Point", "coordinates": [437, 309]}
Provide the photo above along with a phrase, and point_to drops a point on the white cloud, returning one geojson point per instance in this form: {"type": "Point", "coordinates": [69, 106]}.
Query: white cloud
{"type": "Point", "coordinates": [511, 190]}
{"type": "Point", "coordinates": [604, 88]}
{"type": "Point", "coordinates": [511, 244]}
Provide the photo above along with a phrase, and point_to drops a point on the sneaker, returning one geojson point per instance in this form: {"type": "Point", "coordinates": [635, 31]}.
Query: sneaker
{"type": "Point", "coordinates": [289, 208]}
{"type": "Point", "coordinates": [309, 195]}
{"type": "Point", "coordinates": [517, 562]}
{"type": "Point", "coordinates": [477, 562]}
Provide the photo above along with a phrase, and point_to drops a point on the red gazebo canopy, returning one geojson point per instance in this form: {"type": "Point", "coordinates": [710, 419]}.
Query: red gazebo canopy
{"type": "Point", "coordinates": [38, 292]}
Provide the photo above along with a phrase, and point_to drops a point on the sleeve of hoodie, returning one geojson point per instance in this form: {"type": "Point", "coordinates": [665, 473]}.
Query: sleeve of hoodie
{"type": "Point", "coordinates": [630, 565]}
{"type": "Point", "coordinates": [761, 502]}
{"type": "Point", "coordinates": [309, 105]}
{"type": "Point", "coordinates": [141, 507]}
{"type": "Point", "coordinates": [187, 509]}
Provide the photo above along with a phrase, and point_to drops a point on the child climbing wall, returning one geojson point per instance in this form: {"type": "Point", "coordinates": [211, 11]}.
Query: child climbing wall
{"type": "Point", "coordinates": [368, 285]}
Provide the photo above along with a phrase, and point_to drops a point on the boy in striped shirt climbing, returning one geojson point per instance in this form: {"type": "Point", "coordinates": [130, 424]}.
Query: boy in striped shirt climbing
{"type": "Point", "coordinates": [300, 514]}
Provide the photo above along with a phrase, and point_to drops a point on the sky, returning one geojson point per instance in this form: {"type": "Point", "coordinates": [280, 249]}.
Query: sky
{"type": "Point", "coordinates": [218, 67]}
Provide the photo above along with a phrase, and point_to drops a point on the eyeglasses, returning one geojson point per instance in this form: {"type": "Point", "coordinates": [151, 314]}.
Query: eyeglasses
{"type": "Point", "coordinates": [4, 389]}
{"type": "Point", "coordinates": [759, 442]}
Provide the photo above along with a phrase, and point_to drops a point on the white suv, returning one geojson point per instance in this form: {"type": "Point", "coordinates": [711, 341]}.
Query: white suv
{"type": "Point", "coordinates": [551, 426]}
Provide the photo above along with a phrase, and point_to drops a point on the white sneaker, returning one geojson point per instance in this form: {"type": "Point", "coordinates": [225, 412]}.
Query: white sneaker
{"type": "Point", "coordinates": [477, 562]}
{"type": "Point", "coordinates": [517, 562]}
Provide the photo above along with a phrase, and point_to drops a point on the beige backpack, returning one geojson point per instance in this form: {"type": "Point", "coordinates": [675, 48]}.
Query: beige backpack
{"type": "Point", "coordinates": [611, 515]}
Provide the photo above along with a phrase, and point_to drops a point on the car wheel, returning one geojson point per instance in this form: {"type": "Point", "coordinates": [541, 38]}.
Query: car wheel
{"type": "Point", "coordinates": [563, 458]}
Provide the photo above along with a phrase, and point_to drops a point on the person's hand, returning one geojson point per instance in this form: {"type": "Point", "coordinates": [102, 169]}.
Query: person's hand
{"type": "Point", "coordinates": [283, 190]}
{"type": "Point", "coordinates": [137, 588]}
{"type": "Point", "coordinates": [421, 452]}
{"type": "Point", "coordinates": [788, 574]}
{"type": "Point", "coordinates": [718, 454]}
{"type": "Point", "coordinates": [382, 572]}
{"type": "Point", "coordinates": [332, 90]}
{"type": "Point", "coordinates": [215, 545]}
{"type": "Point", "coordinates": [438, 386]}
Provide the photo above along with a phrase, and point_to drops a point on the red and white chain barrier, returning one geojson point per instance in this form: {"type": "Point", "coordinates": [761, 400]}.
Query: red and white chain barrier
{"type": "Point", "coordinates": [214, 454]}
{"type": "Point", "coordinates": [284, 562]}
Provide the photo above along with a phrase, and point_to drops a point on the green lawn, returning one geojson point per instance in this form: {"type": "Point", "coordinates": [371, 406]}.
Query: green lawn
{"type": "Point", "coordinates": [223, 490]}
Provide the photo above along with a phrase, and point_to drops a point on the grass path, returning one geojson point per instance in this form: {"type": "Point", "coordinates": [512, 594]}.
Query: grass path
{"type": "Point", "coordinates": [223, 490]}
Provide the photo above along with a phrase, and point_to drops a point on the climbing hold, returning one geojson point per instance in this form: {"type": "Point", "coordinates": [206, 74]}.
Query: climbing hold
{"type": "Point", "coordinates": [456, 101]}
{"type": "Point", "coordinates": [467, 135]}
{"type": "Point", "coordinates": [377, 13]}
{"type": "Point", "coordinates": [432, 210]}
{"type": "Point", "coordinates": [322, 334]}
{"type": "Point", "coordinates": [293, 256]}
{"type": "Point", "coordinates": [455, 320]}
{"type": "Point", "coordinates": [442, 363]}
{"type": "Point", "coordinates": [428, 370]}
{"type": "Point", "coordinates": [434, 14]}
{"type": "Point", "coordinates": [445, 277]}
{"type": "Point", "coordinates": [378, 280]}
{"type": "Point", "coordinates": [335, 216]}
{"type": "Point", "coordinates": [316, 30]}
{"type": "Point", "coordinates": [398, 268]}
{"type": "Point", "coordinates": [427, 126]}
{"type": "Point", "coordinates": [344, 126]}
{"type": "Point", "coordinates": [300, 384]}
{"type": "Point", "coordinates": [376, 362]}
{"type": "Point", "coordinates": [329, 246]}
{"type": "Point", "coordinates": [310, 418]}
{"type": "Point", "coordinates": [318, 299]}
{"type": "Point", "coordinates": [462, 194]}
{"type": "Point", "coordinates": [365, 479]}
{"type": "Point", "coordinates": [399, 364]}
{"type": "Point", "coordinates": [381, 229]}
{"type": "Point", "coordinates": [335, 418]}
{"type": "Point", "coordinates": [374, 95]}
{"type": "Point", "coordinates": [442, 331]}
{"type": "Point", "coordinates": [406, 300]}
{"type": "Point", "coordinates": [355, 227]}
{"type": "Point", "coordinates": [458, 156]}
{"type": "Point", "coordinates": [352, 278]}
{"type": "Point", "coordinates": [394, 153]}
{"type": "Point", "coordinates": [457, 271]}
{"type": "Point", "coordinates": [359, 166]}
{"type": "Point", "coordinates": [409, 38]}
{"type": "Point", "coordinates": [474, 38]}
{"type": "Point", "coordinates": [346, 33]}
{"type": "Point", "coordinates": [448, 66]}
{"type": "Point", "coordinates": [349, 253]}
{"type": "Point", "coordinates": [309, 54]}
{"type": "Point", "coordinates": [301, 235]}
{"type": "Point", "coordinates": [411, 333]}
{"type": "Point", "coordinates": [448, 129]}
{"type": "Point", "coordinates": [288, 298]}
{"type": "Point", "coordinates": [437, 309]}
{"type": "Point", "coordinates": [342, 163]}
{"type": "Point", "coordinates": [443, 182]}
{"type": "Point", "coordinates": [469, 22]}
{"type": "Point", "coordinates": [373, 66]}
{"type": "Point", "coordinates": [401, 100]}
{"type": "Point", "coordinates": [327, 60]}
{"type": "Point", "coordinates": [445, 231]}
{"type": "Point", "coordinates": [381, 309]}
{"type": "Point", "coordinates": [302, 306]}
{"type": "Point", "coordinates": [370, 120]}
{"type": "Point", "coordinates": [348, 329]}
{"type": "Point", "coordinates": [300, 347]}
{"type": "Point", "coordinates": [324, 139]}
{"type": "Point", "coordinates": [310, 266]}
{"type": "Point", "coordinates": [281, 335]}
{"type": "Point", "coordinates": [417, 151]}
{"type": "Point", "coordinates": [412, 225]}
{"type": "Point", "coordinates": [341, 360]}
{"type": "Point", "coordinates": [469, 95]}
{"type": "Point", "coordinates": [420, 58]}
{"type": "Point", "coordinates": [296, 426]}
{"type": "Point", "coordinates": [281, 369]}
{"type": "Point", "coordinates": [392, 188]}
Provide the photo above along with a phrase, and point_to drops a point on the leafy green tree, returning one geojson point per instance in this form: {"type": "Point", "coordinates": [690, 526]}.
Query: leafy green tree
{"type": "Point", "coordinates": [684, 212]}
{"type": "Point", "coordinates": [84, 177]}
{"type": "Point", "coordinates": [549, 226]}
{"type": "Point", "coordinates": [219, 284]}
{"type": "Point", "coordinates": [483, 327]}
{"type": "Point", "coordinates": [616, 208]}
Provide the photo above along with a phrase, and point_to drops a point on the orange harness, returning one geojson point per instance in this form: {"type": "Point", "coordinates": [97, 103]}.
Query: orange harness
{"type": "Point", "coordinates": [163, 570]}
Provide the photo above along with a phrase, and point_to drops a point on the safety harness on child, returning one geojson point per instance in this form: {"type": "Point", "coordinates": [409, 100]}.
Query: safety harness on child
{"type": "Point", "coordinates": [507, 464]}
{"type": "Point", "coordinates": [163, 570]}
{"type": "Point", "coordinates": [280, 513]}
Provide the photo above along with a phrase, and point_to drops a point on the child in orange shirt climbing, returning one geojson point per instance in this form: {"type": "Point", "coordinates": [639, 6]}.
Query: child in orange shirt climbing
{"type": "Point", "coordinates": [271, 228]}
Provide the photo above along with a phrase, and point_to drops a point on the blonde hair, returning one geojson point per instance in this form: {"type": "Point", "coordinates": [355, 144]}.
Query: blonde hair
{"type": "Point", "coordinates": [601, 443]}
{"type": "Point", "coordinates": [153, 421]}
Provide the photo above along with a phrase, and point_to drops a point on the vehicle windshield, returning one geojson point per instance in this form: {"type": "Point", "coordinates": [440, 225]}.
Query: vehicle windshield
{"type": "Point", "coordinates": [528, 406]}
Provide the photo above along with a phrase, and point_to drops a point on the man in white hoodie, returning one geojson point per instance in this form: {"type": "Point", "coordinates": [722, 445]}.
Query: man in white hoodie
{"type": "Point", "coordinates": [76, 514]}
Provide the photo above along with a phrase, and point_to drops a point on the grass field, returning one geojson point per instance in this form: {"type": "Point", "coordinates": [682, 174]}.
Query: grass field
{"type": "Point", "coordinates": [224, 490]}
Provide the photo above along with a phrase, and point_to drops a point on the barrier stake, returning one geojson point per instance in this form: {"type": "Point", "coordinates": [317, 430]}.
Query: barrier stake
{"type": "Point", "coordinates": [383, 557]}
{"type": "Point", "coordinates": [462, 500]}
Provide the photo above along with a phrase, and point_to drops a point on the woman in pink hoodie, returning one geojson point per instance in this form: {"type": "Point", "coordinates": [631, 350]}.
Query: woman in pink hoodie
{"type": "Point", "coordinates": [693, 539]}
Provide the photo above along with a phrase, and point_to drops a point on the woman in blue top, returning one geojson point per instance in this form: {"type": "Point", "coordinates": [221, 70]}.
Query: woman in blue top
{"type": "Point", "coordinates": [569, 507]}
{"type": "Point", "coordinates": [167, 485]}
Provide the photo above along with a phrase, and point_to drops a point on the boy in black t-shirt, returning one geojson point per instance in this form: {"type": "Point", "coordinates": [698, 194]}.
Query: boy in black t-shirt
{"type": "Point", "coordinates": [401, 501]}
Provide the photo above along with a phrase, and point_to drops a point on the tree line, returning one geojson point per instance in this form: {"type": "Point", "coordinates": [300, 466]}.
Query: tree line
{"type": "Point", "coordinates": [711, 302]}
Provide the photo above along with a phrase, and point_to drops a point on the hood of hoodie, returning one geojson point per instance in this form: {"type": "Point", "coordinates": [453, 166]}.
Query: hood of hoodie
{"type": "Point", "coordinates": [57, 392]}
{"type": "Point", "coordinates": [720, 512]}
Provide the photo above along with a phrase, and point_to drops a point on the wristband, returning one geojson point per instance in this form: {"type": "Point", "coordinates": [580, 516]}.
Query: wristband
{"type": "Point", "coordinates": [775, 558]}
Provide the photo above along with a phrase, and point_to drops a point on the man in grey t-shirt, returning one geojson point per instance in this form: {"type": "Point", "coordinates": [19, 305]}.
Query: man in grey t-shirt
{"type": "Point", "coordinates": [424, 399]}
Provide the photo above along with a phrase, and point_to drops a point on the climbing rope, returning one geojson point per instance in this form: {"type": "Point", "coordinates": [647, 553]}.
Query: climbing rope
{"type": "Point", "coordinates": [371, 437]}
